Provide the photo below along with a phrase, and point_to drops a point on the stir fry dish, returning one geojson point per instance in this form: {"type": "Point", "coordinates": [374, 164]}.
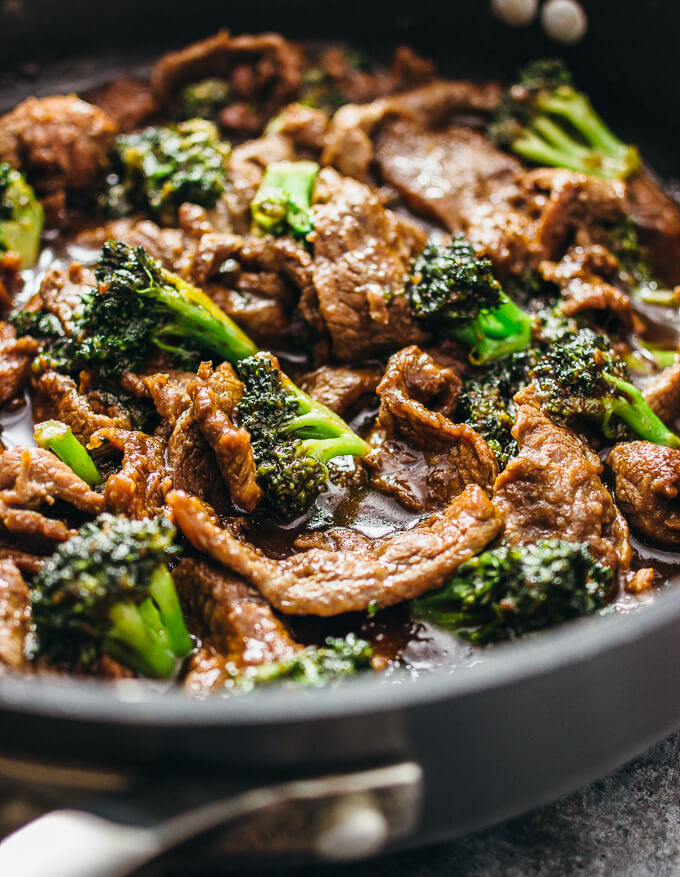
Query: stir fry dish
{"type": "Point", "coordinates": [312, 367]}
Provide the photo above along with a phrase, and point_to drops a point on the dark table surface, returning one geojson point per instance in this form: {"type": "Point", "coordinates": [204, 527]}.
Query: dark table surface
{"type": "Point", "coordinates": [626, 824]}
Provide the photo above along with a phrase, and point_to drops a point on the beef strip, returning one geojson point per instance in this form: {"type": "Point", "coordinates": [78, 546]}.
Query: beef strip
{"type": "Point", "coordinates": [362, 257]}
{"type": "Point", "coordinates": [340, 388]}
{"type": "Point", "coordinates": [349, 146]}
{"type": "Point", "coordinates": [238, 628]}
{"type": "Point", "coordinates": [36, 532]}
{"type": "Point", "coordinates": [129, 102]}
{"type": "Point", "coordinates": [657, 217]}
{"type": "Point", "coordinates": [137, 489]}
{"type": "Point", "coordinates": [61, 141]}
{"type": "Point", "coordinates": [15, 617]}
{"type": "Point", "coordinates": [215, 395]}
{"type": "Point", "coordinates": [263, 71]}
{"type": "Point", "coordinates": [646, 488]}
{"type": "Point", "coordinates": [60, 293]}
{"type": "Point", "coordinates": [56, 396]}
{"type": "Point", "coordinates": [33, 477]}
{"type": "Point", "coordinates": [25, 561]}
{"type": "Point", "coordinates": [418, 454]}
{"type": "Point", "coordinates": [320, 582]}
{"type": "Point", "coordinates": [439, 171]}
{"type": "Point", "coordinates": [553, 488]}
{"type": "Point", "coordinates": [662, 394]}
{"type": "Point", "coordinates": [16, 356]}
{"type": "Point", "coordinates": [580, 276]}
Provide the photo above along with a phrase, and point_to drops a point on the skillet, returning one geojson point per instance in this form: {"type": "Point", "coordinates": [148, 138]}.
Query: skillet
{"type": "Point", "coordinates": [375, 763]}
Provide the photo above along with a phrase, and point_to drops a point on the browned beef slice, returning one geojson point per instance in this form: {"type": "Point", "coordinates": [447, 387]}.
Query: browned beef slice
{"type": "Point", "coordinates": [305, 126]}
{"type": "Point", "coordinates": [580, 275]}
{"type": "Point", "coordinates": [129, 102]}
{"type": "Point", "coordinates": [173, 249]}
{"type": "Point", "coordinates": [658, 219]}
{"type": "Point", "coordinates": [35, 531]}
{"type": "Point", "coordinates": [647, 483]}
{"type": "Point", "coordinates": [362, 256]}
{"type": "Point", "coordinates": [61, 141]}
{"type": "Point", "coordinates": [56, 396]}
{"type": "Point", "coordinates": [215, 395]}
{"type": "Point", "coordinates": [338, 387]}
{"type": "Point", "coordinates": [33, 477]}
{"type": "Point", "coordinates": [16, 355]}
{"type": "Point", "coordinates": [253, 280]}
{"type": "Point", "coordinates": [662, 394]}
{"type": "Point", "coordinates": [25, 561]}
{"type": "Point", "coordinates": [320, 582]}
{"type": "Point", "coordinates": [169, 392]}
{"type": "Point", "coordinates": [264, 69]}
{"type": "Point", "coordinates": [136, 490]}
{"type": "Point", "coordinates": [349, 146]}
{"type": "Point", "coordinates": [15, 616]}
{"type": "Point", "coordinates": [439, 171]}
{"type": "Point", "coordinates": [419, 455]}
{"type": "Point", "coordinates": [553, 488]}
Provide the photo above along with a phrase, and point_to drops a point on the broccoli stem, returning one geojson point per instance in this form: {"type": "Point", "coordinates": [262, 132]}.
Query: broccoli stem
{"type": "Point", "coordinates": [316, 421]}
{"type": "Point", "coordinates": [55, 436]}
{"type": "Point", "coordinates": [21, 216]}
{"type": "Point", "coordinates": [150, 637]}
{"type": "Point", "coordinates": [497, 333]}
{"type": "Point", "coordinates": [199, 318]}
{"type": "Point", "coordinates": [283, 200]}
{"type": "Point", "coordinates": [634, 410]}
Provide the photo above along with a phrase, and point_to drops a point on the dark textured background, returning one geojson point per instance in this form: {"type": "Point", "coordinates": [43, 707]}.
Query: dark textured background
{"type": "Point", "coordinates": [626, 825]}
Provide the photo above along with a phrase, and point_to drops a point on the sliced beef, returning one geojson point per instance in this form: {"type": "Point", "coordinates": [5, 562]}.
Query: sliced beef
{"type": "Point", "coordinates": [362, 256]}
{"type": "Point", "coordinates": [15, 617]}
{"type": "Point", "coordinates": [553, 488]}
{"type": "Point", "coordinates": [32, 477]}
{"type": "Point", "coordinates": [129, 102]}
{"type": "Point", "coordinates": [581, 277]}
{"type": "Point", "coordinates": [56, 396]}
{"type": "Point", "coordinates": [340, 388]}
{"type": "Point", "coordinates": [304, 126]}
{"type": "Point", "coordinates": [25, 561]}
{"type": "Point", "coordinates": [418, 454]}
{"type": "Point", "coordinates": [349, 145]}
{"type": "Point", "coordinates": [16, 356]}
{"type": "Point", "coordinates": [662, 394]}
{"type": "Point", "coordinates": [60, 292]}
{"type": "Point", "coordinates": [215, 395]}
{"type": "Point", "coordinates": [34, 530]}
{"type": "Point", "coordinates": [169, 392]}
{"type": "Point", "coordinates": [171, 246]}
{"type": "Point", "coordinates": [263, 72]}
{"type": "Point", "coordinates": [439, 172]}
{"type": "Point", "coordinates": [238, 628]}
{"type": "Point", "coordinates": [61, 142]}
{"type": "Point", "coordinates": [321, 582]}
{"type": "Point", "coordinates": [646, 489]}
{"type": "Point", "coordinates": [658, 219]}
{"type": "Point", "coordinates": [137, 489]}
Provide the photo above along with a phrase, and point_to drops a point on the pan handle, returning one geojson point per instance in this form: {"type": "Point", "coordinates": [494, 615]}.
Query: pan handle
{"type": "Point", "coordinates": [340, 817]}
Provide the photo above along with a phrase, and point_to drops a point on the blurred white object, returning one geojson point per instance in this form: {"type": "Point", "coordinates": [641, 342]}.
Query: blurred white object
{"type": "Point", "coordinates": [516, 13]}
{"type": "Point", "coordinates": [564, 20]}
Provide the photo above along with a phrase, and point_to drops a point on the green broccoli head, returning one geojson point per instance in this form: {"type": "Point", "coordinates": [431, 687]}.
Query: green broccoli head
{"type": "Point", "coordinates": [21, 216]}
{"type": "Point", "coordinates": [454, 292]}
{"type": "Point", "coordinates": [107, 590]}
{"type": "Point", "coordinates": [313, 666]}
{"type": "Point", "coordinates": [509, 591]}
{"type": "Point", "coordinates": [583, 378]}
{"type": "Point", "coordinates": [293, 437]}
{"type": "Point", "coordinates": [485, 403]}
{"type": "Point", "coordinates": [158, 169]}
{"type": "Point", "coordinates": [544, 119]}
{"type": "Point", "coordinates": [204, 99]}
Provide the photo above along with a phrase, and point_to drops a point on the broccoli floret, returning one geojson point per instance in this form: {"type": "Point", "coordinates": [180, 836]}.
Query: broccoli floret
{"type": "Point", "coordinates": [108, 591]}
{"type": "Point", "coordinates": [282, 204]}
{"type": "Point", "coordinates": [635, 270]}
{"type": "Point", "coordinates": [544, 119]}
{"type": "Point", "coordinates": [158, 169]}
{"type": "Point", "coordinates": [293, 436]}
{"type": "Point", "coordinates": [485, 403]}
{"type": "Point", "coordinates": [582, 377]}
{"type": "Point", "coordinates": [139, 305]}
{"type": "Point", "coordinates": [204, 99]}
{"type": "Point", "coordinates": [508, 591]}
{"type": "Point", "coordinates": [453, 291]}
{"type": "Point", "coordinates": [21, 216]}
{"type": "Point", "coordinates": [57, 437]}
{"type": "Point", "coordinates": [40, 324]}
{"type": "Point", "coordinates": [313, 666]}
